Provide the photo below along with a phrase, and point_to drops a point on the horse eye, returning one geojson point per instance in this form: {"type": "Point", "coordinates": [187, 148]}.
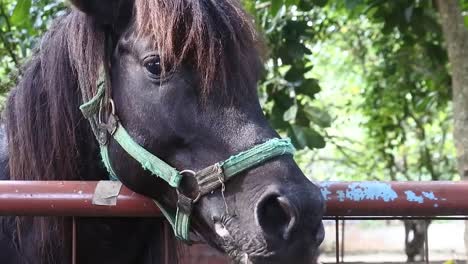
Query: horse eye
{"type": "Point", "coordinates": [153, 65]}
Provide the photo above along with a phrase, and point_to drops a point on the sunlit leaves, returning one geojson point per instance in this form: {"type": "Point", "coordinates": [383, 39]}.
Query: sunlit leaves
{"type": "Point", "coordinates": [318, 116]}
{"type": "Point", "coordinates": [286, 88]}
{"type": "Point", "coordinates": [464, 6]}
{"type": "Point", "coordinates": [290, 114]}
{"type": "Point", "coordinates": [303, 137]}
{"type": "Point", "coordinates": [21, 12]}
{"type": "Point", "coordinates": [408, 94]}
{"type": "Point", "coordinates": [21, 24]}
{"type": "Point", "coordinates": [275, 6]}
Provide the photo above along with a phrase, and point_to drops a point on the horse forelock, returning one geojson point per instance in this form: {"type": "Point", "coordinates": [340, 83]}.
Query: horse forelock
{"type": "Point", "coordinates": [218, 37]}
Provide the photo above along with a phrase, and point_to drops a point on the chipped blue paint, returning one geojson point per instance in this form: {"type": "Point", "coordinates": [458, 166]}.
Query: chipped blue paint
{"type": "Point", "coordinates": [370, 191]}
{"type": "Point", "coordinates": [341, 196]}
{"type": "Point", "coordinates": [430, 196]}
{"type": "Point", "coordinates": [374, 191]}
{"type": "Point", "coordinates": [412, 197]}
{"type": "Point", "coordinates": [324, 190]}
{"type": "Point", "coordinates": [326, 184]}
{"type": "Point", "coordinates": [325, 193]}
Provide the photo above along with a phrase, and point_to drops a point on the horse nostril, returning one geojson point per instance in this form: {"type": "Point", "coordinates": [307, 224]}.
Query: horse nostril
{"type": "Point", "coordinates": [276, 216]}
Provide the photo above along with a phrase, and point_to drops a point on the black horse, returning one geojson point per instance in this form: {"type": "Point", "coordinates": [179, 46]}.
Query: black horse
{"type": "Point", "coordinates": [183, 75]}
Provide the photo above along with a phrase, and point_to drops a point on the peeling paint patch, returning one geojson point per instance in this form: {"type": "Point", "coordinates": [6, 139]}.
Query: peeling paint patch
{"type": "Point", "coordinates": [371, 191]}
{"type": "Point", "coordinates": [326, 184]}
{"type": "Point", "coordinates": [325, 193]}
{"type": "Point", "coordinates": [412, 197]}
{"type": "Point", "coordinates": [430, 196]}
{"type": "Point", "coordinates": [341, 196]}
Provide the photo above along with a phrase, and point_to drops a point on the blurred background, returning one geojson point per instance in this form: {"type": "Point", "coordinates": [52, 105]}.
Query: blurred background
{"type": "Point", "coordinates": [367, 90]}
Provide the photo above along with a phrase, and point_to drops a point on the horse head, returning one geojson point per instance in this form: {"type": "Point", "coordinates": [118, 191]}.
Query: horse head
{"type": "Point", "coordinates": [181, 79]}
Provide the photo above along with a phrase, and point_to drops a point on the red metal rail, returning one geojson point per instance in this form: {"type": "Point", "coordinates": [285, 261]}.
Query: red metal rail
{"type": "Point", "coordinates": [436, 198]}
{"type": "Point", "coordinates": [343, 199]}
{"type": "Point", "coordinates": [71, 198]}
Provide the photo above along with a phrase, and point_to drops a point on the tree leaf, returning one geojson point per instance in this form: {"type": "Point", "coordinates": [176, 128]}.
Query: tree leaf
{"type": "Point", "coordinates": [305, 5]}
{"type": "Point", "coordinates": [318, 116]}
{"type": "Point", "coordinates": [320, 3]}
{"type": "Point", "coordinates": [291, 114]}
{"type": "Point", "coordinates": [352, 4]}
{"type": "Point", "coordinates": [291, 2]}
{"type": "Point", "coordinates": [20, 14]}
{"type": "Point", "coordinates": [303, 137]}
{"type": "Point", "coordinates": [309, 87]}
{"type": "Point", "coordinates": [409, 13]}
{"type": "Point", "coordinates": [276, 6]}
{"type": "Point", "coordinates": [250, 6]}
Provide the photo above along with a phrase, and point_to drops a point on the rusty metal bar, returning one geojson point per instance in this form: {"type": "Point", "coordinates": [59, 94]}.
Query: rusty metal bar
{"type": "Point", "coordinates": [344, 199]}
{"type": "Point", "coordinates": [342, 248]}
{"type": "Point", "coordinates": [74, 241]}
{"type": "Point", "coordinates": [426, 242]}
{"type": "Point", "coordinates": [337, 240]}
{"type": "Point", "coordinates": [396, 198]}
{"type": "Point", "coordinates": [45, 198]}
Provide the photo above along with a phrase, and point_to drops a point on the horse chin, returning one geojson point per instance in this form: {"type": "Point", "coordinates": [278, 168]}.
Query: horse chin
{"type": "Point", "coordinates": [271, 259]}
{"type": "Point", "coordinates": [258, 253]}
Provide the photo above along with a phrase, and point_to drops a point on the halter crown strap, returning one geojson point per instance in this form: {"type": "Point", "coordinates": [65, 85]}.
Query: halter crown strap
{"type": "Point", "coordinates": [208, 179]}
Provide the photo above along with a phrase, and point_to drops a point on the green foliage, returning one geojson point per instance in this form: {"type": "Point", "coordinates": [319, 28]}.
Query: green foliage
{"type": "Point", "coordinates": [412, 123]}
{"type": "Point", "coordinates": [404, 113]}
{"type": "Point", "coordinates": [21, 23]}
{"type": "Point", "coordinates": [20, 13]}
{"type": "Point", "coordinates": [464, 6]}
{"type": "Point", "coordinates": [286, 90]}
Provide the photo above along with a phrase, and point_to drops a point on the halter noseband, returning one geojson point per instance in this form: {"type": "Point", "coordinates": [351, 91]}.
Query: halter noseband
{"type": "Point", "coordinates": [208, 179]}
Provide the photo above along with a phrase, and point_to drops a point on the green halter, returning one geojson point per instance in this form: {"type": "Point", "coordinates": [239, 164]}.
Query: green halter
{"type": "Point", "coordinates": [208, 179]}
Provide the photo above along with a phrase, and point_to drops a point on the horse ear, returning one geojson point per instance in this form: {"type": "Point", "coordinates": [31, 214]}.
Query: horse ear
{"type": "Point", "coordinates": [107, 12]}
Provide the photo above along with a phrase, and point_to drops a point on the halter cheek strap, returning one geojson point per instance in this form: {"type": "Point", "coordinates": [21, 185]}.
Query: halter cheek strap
{"type": "Point", "coordinates": [208, 179]}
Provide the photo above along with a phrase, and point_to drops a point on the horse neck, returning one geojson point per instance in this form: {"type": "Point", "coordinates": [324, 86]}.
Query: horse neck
{"type": "Point", "coordinates": [125, 240]}
{"type": "Point", "coordinates": [119, 240]}
{"type": "Point", "coordinates": [91, 166]}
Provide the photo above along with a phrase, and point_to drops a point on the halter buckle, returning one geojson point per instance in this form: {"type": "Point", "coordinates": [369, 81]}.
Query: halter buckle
{"type": "Point", "coordinates": [179, 192]}
{"type": "Point", "coordinates": [112, 121]}
{"type": "Point", "coordinates": [210, 178]}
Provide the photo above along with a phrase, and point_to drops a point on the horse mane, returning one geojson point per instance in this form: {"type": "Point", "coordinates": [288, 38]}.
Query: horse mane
{"type": "Point", "coordinates": [42, 114]}
{"type": "Point", "coordinates": [45, 131]}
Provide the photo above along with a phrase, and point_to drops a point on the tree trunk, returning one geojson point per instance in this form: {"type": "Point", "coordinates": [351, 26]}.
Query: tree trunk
{"type": "Point", "coordinates": [415, 236]}
{"type": "Point", "coordinates": [456, 38]}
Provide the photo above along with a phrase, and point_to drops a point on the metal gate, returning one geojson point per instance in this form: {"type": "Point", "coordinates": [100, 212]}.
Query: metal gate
{"type": "Point", "coordinates": [345, 201]}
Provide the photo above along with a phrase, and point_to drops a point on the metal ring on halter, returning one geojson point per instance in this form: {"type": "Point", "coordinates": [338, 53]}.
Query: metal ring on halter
{"type": "Point", "coordinates": [190, 172]}
{"type": "Point", "coordinates": [112, 105]}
